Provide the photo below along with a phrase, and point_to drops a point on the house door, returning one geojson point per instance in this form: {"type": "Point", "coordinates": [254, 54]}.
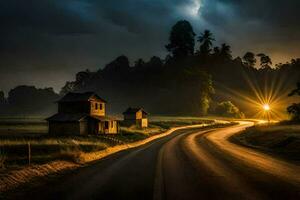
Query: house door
{"type": "Point", "coordinates": [93, 127]}
{"type": "Point", "coordinates": [106, 126]}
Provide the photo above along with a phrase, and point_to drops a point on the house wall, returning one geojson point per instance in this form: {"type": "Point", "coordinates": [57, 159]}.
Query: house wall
{"type": "Point", "coordinates": [129, 116]}
{"type": "Point", "coordinates": [74, 107]}
{"type": "Point", "coordinates": [139, 114]}
{"type": "Point", "coordinates": [144, 123]}
{"type": "Point", "coordinates": [97, 108]}
{"type": "Point", "coordinates": [88, 107]}
{"type": "Point", "coordinates": [84, 129]}
{"type": "Point", "coordinates": [113, 127]}
{"type": "Point", "coordinates": [64, 128]}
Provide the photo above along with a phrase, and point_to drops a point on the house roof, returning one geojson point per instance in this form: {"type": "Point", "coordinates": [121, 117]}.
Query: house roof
{"type": "Point", "coordinates": [134, 110]}
{"type": "Point", "coordinates": [104, 118]}
{"type": "Point", "coordinates": [62, 117]}
{"type": "Point", "coordinates": [86, 96]}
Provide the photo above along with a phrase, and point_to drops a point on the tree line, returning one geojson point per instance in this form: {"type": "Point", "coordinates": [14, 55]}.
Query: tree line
{"type": "Point", "coordinates": [195, 78]}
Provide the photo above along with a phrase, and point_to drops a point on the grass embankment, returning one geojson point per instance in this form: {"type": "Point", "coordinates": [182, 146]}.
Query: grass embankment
{"type": "Point", "coordinates": [280, 140]}
{"type": "Point", "coordinates": [17, 138]}
{"type": "Point", "coordinates": [65, 149]}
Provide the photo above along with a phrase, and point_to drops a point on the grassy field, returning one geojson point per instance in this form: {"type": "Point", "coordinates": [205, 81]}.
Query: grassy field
{"type": "Point", "coordinates": [281, 140]}
{"type": "Point", "coordinates": [18, 136]}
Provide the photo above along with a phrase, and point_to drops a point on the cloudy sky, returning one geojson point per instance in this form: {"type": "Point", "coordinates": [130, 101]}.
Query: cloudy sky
{"type": "Point", "coordinates": [45, 42]}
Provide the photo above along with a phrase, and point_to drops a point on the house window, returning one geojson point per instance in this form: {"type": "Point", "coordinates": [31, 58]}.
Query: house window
{"type": "Point", "coordinates": [106, 125]}
{"type": "Point", "coordinates": [96, 106]}
{"type": "Point", "coordinates": [101, 106]}
{"type": "Point", "coordinates": [111, 124]}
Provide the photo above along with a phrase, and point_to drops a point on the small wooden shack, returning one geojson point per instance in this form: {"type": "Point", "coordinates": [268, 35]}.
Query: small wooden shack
{"type": "Point", "coordinates": [82, 114]}
{"type": "Point", "coordinates": [136, 116]}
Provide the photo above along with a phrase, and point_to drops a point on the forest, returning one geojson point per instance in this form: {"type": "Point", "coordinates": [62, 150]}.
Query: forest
{"type": "Point", "coordinates": [196, 78]}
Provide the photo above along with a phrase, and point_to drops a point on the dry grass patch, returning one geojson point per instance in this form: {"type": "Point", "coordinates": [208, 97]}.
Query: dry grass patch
{"type": "Point", "coordinates": [283, 140]}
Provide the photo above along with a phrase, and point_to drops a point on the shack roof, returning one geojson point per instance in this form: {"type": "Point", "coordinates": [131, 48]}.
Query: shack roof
{"type": "Point", "coordinates": [62, 117]}
{"type": "Point", "coordinates": [134, 110]}
{"type": "Point", "coordinates": [80, 97]}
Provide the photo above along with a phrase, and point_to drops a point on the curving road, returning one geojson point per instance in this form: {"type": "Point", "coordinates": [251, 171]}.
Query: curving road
{"type": "Point", "coordinates": [188, 164]}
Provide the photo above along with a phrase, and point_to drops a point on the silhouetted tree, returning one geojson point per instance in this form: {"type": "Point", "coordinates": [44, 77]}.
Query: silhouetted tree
{"type": "Point", "coordinates": [2, 97]}
{"type": "Point", "coordinates": [182, 40]}
{"type": "Point", "coordinates": [294, 109]}
{"type": "Point", "coordinates": [216, 51]}
{"type": "Point", "coordinates": [139, 63]}
{"type": "Point", "coordinates": [265, 61]}
{"type": "Point", "coordinates": [228, 109]}
{"type": "Point", "coordinates": [155, 62]}
{"type": "Point", "coordinates": [225, 52]}
{"type": "Point", "coordinates": [296, 91]}
{"type": "Point", "coordinates": [120, 64]}
{"type": "Point", "coordinates": [70, 86]}
{"type": "Point", "coordinates": [249, 59]}
{"type": "Point", "coordinates": [188, 79]}
{"type": "Point", "coordinates": [28, 99]}
{"type": "Point", "coordinates": [205, 39]}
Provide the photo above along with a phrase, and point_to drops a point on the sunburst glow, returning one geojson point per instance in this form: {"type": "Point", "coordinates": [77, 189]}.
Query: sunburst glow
{"type": "Point", "coordinates": [266, 107]}
{"type": "Point", "coordinates": [267, 99]}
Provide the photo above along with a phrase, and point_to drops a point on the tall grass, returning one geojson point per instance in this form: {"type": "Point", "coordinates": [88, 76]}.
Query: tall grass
{"type": "Point", "coordinates": [2, 159]}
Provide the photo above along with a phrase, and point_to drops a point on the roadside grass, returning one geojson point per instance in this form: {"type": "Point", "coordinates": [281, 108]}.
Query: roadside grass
{"type": "Point", "coordinates": [50, 155]}
{"type": "Point", "coordinates": [16, 134]}
{"type": "Point", "coordinates": [134, 133]}
{"type": "Point", "coordinates": [43, 149]}
{"type": "Point", "coordinates": [169, 122]}
{"type": "Point", "coordinates": [2, 159]}
{"type": "Point", "coordinates": [281, 140]}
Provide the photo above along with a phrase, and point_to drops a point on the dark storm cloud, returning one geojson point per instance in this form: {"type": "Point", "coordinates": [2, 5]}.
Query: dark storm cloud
{"type": "Point", "coordinates": [261, 25]}
{"type": "Point", "coordinates": [44, 42]}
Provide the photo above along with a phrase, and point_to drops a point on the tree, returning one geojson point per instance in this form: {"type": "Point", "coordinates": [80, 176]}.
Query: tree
{"type": "Point", "coordinates": [228, 109]}
{"type": "Point", "coordinates": [120, 64]}
{"type": "Point", "coordinates": [70, 86]}
{"type": "Point", "coordinates": [139, 63]}
{"type": "Point", "coordinates": [295, 91]}
{"type": "Point", "coordinates": [294, 109]}
{"type": "Point", "coordinates": [265, 61]}
{"type": "Point", "coordinates": [2, 97]}
{"type": "Point", "coordinates": [155, 62]}
{"type": "Point", "coordinates": [249, 59]}
{"type": "Point", "coordinates": [205, 39]}
{"type": "Point", "coordinates": [225, 52]}
{"type": "Point", "coordinates": [29, 99]}
{"type": "Point", "coordinates": [216, 51]}
{"type": "Point", "coordinates": [182, 40]}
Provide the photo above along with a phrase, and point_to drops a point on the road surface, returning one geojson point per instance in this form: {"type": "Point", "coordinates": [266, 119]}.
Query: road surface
{"type": "Point", "coordinates": [188, 164]}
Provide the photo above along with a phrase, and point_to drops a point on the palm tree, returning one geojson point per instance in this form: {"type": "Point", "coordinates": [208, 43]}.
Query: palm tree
{"type": "Point", "coordinates": [225, 51]}
{"type": "Point", "coordinates": [205, 39]}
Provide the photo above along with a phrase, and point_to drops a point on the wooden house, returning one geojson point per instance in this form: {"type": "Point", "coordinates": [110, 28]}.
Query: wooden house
{"type": "Point", "coordinates": [136, 116]}
{"type": "Point", "coordinates": [82, 114]}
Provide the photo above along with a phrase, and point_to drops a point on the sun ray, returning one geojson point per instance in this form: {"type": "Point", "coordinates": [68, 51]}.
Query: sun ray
{"type": "Point", "coordinates": [266, 99]}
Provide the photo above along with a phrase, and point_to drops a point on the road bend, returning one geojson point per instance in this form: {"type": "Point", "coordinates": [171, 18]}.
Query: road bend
{"type": "Point", "coordinates": [188, 164]}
